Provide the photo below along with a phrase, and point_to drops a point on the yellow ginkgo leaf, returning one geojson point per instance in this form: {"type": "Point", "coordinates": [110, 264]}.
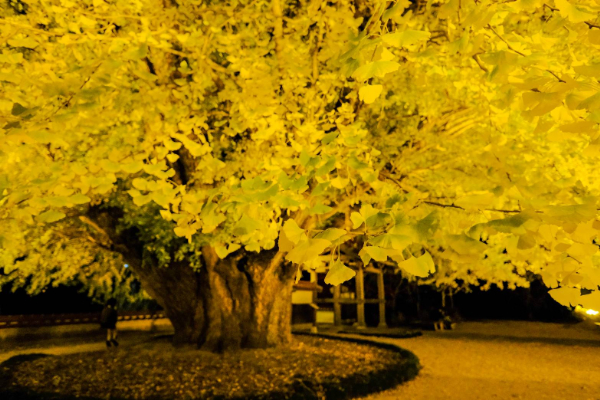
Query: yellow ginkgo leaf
{"type": "Point", "coordinates": [419, 266]}
{"type": "Point", "coordinates": [369, 93]}
{"type": "Point", "coordinates": [594, 37]}
{"type": "Point", "coordinates": [566, 295]}
{"type": "Point", "coordinates": [578, 127]}
{"type": "Point", "coordinates": [406, 38]}
{"type": "Point", "coordinates": [375, 69]}
{"type": "Point", "coordinates": [572, 12]}
{"type": "Point", "coordinates": [338, 273]}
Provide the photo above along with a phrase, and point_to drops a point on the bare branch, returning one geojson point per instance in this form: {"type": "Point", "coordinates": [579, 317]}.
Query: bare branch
{"type": "Point", "coordinates": [278, 34]}
{"type": "Point", "coordinates": [433, 203]}
{"type": "Point", "coordinates": [478, 61]}
{"type": "Point", "coordinates": [504, 40]}
{"type": "Point", "coordinates": [556, 76]}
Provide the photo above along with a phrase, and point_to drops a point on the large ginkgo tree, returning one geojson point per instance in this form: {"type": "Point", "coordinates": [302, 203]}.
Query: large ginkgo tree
{"type": "Point", "coordinates": [218, 147]}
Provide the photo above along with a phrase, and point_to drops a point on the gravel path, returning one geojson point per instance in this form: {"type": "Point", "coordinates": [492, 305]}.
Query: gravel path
{"type": "Point", "coordinates": [504, 360]}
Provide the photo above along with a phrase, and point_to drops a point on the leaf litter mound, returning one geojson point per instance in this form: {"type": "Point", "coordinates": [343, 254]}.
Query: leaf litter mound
{"type": "Point", "coordinates": [157, 370]}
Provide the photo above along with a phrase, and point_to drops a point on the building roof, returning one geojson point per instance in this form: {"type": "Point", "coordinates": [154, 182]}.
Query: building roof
{"type": "Point", "coordinates": [306, 285]}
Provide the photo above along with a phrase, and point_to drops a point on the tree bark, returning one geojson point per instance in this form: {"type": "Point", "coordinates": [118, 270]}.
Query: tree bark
{"type": "Point", "coordinates": [243, 301]}
{"type": "Point", "coordinates": [239, 302]}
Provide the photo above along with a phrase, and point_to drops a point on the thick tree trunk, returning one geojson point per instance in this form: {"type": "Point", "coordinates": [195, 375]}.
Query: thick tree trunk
{"type": "Point", "coordinates": [243, 301]}
{"type": "Point", "coordinates": [239, 302]}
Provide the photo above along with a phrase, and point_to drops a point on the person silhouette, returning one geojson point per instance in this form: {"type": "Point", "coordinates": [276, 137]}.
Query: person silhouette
{"type": "Point", "coordinates": [108, 321]}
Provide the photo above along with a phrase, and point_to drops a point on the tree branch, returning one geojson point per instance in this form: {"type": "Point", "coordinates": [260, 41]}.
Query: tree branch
{"type": "Point", "coordinates": [315, 56]}
{"type": "Point", "coordinates": [478, 61]}
{"type": "Point", "coordinates": [349, 200]}
{"type": "Point", "coordinates": [68, 101]}
{"type": "Point", "coordinates": [97, 228]}
{"type": "Point", "coordinates": [276, 261]}
{"type": "Point", "coordinates": [556, 76]}
{"type": "Point", "coordinates": [433, 203]}
{"type": "Point", "coordinates": [278, 34]}
{"type": "Point", "coordinates": [504, 40]}
{"type": "Point", "coordinates": [210, 257]}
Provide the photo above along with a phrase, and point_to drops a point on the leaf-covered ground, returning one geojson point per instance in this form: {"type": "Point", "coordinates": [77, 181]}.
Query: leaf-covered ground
{"type": "Point", "coordinates": [157, 370]}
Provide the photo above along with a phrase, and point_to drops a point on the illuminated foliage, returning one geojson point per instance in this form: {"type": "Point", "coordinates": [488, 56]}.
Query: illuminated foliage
{"type": "Point", "coordinates": [461, 132]}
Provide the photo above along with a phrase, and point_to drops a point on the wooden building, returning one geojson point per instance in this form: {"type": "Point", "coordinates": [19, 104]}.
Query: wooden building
{"type": "Point", "coordinates": [304, 308]}
{"type": "Point", "coordinates": [330, 299]}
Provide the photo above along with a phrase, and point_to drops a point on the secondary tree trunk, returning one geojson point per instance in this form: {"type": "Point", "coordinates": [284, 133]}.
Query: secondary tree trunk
{"type": "Point", "coordinates": [239, 302]}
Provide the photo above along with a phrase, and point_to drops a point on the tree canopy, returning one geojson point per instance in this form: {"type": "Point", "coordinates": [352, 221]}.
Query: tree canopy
{"type": "Point", "coordinates": [461, 133]}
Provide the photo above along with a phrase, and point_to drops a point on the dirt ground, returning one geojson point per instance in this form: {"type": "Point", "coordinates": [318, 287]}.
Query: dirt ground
{"type": "Point", "coordinates": [504, 360]}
